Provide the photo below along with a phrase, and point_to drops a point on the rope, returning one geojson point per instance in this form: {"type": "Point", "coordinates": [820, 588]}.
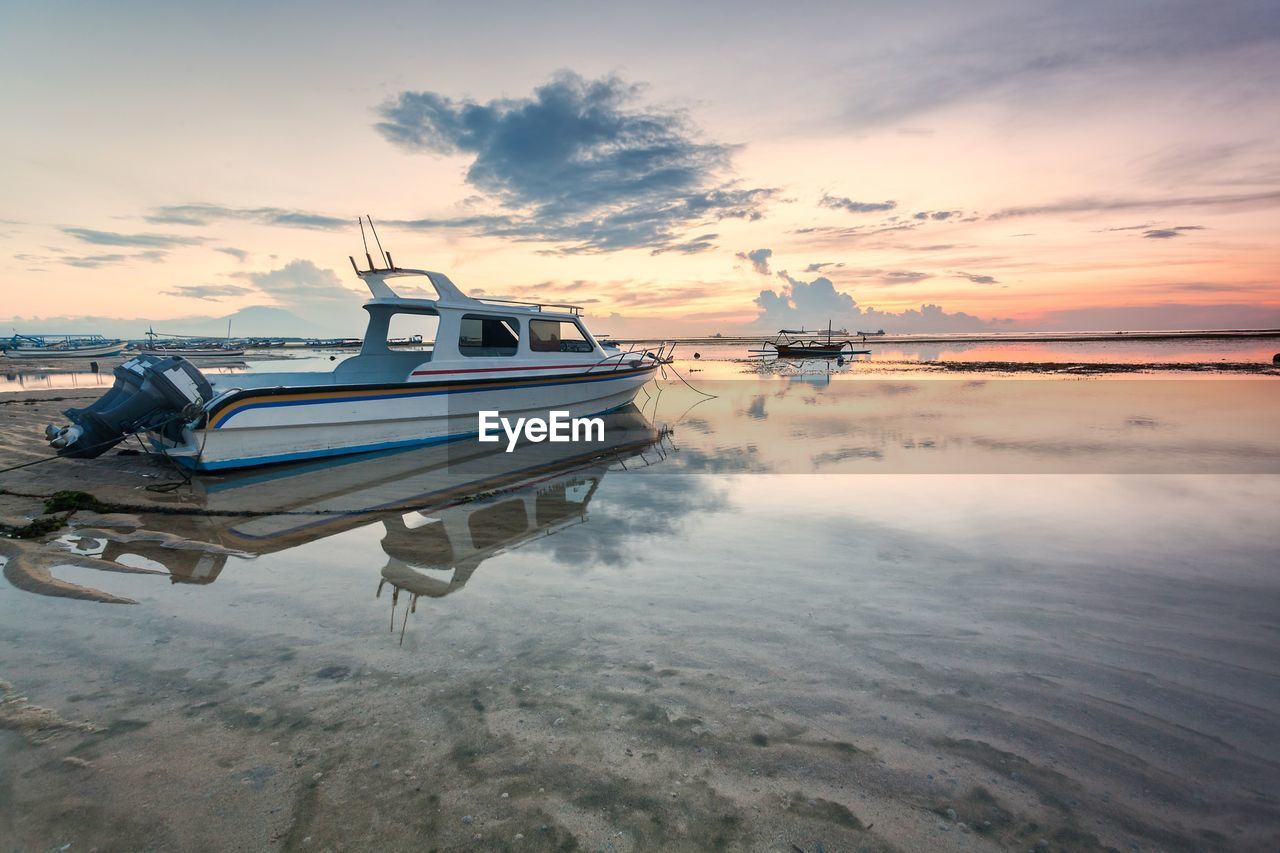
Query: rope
{"type": "Point", "coordinates": [691, 388]}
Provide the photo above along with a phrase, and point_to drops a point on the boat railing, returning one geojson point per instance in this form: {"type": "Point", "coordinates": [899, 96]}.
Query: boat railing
{"type": "Point", "coordinates": [663, 355]}
{"type": "Point", "coordinates": [575, 310]}
{"type": "Point", "coordinates": [658, 450]}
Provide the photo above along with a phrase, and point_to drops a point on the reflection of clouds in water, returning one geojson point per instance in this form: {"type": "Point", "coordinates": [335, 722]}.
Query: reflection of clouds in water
{"type": "Point", "coordinates": [630, 508]}
{"type": "Point", "coordinates": [845, 453]}
{"type": "Point", "coordinates": [756, 410]}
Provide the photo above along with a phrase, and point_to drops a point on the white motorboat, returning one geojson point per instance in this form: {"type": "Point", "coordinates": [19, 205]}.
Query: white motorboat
{"type": "Point", "coordinates": [443, 510]}
{"type": "Point", "coordinates": [520, 359]}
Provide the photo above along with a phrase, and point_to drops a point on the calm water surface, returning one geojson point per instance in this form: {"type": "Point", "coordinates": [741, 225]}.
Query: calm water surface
{"type": "Point", "coordinates": [816, 614]}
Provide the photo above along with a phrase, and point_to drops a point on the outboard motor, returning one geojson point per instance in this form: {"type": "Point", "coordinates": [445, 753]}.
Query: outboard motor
{"type": "Point", "coordinates": [151, 392]}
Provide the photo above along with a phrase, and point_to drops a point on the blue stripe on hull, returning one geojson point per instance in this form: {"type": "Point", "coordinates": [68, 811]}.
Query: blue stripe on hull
{"type": "Point", "coordinates": [201, 466]}
{"type": "Point", "coordinates": [581, 378]}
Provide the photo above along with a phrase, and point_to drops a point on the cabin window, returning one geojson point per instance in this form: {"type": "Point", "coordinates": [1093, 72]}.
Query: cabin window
{"type": "Point", "coordinates": [557, 336]}
{"type": "Point", "coordinates": [412, 331]}
{"type": "Point", "coordinates": [488, 336]}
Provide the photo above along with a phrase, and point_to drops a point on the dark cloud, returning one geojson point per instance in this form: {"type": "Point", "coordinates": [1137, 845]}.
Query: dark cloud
{"type": "Point", "coordinates": [578, 163]}
{"type": "Point", "coordinates": [978, 279]}
{"type": "Point", "coordinates": [140, 241]}
{"type": "Point", "coordinates": [822, 266]}
{"type": "Point", "coordinates": [936, 215]}
{"type": "Point", "coordinates": [204, 214]}
{"type": "Point", "coordinates": [844, 203]}
{"type": "Point", "coordinates": [1269, 198]}
{"type": "Point", "coordinates": [759, 259]}
{"type": "Point", "coordinates": [689, 247]}
{"type": "Point", "coordinates": [209, 292]}
{"type": "Point", "coordinates": [1166, 233]}
{"type": "Point", "coordinates": [238, 254]}
{"type": "Point", "coordinates": [815, 302]}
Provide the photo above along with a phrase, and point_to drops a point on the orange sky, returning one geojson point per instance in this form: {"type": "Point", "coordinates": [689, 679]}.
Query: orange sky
{"type": "Point", "coordinates": [1037, 165]}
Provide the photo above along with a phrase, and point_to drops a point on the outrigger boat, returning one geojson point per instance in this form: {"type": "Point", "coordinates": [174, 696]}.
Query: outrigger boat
{"type": "Point", "coordinates": [191, 351]}
{"type": "Point", "coordinates": [191, 347]}
{"type": "Point", "coordinates": [43, 347]}
{"type": "Point", "coordinates": [520, 359]}
{"type": "Point", "coordinates": [791, 343]}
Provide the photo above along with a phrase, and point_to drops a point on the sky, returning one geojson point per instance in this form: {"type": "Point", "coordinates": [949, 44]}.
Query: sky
{"type": "Point", "coordinates": [675, 168]}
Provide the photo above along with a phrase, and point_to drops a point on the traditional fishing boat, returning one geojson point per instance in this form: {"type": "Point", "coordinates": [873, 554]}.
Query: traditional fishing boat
{"type": "Point", "coordinates": [44, 347]}
{"type": "Point", "coordinates": [792, 343]}
{"type": "Point", "coordinates": [190, 347]}
{"type": "Point", "coordinates": [195, 351]}
{"type": "Point", "coordinates": [520, 359]}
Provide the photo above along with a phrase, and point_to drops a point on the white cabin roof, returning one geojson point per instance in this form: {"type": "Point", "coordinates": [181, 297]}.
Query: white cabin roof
{"type": "Point", "coordinates": [448, 295]}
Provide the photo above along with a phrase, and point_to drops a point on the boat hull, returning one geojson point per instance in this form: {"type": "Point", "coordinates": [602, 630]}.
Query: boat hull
{"type": "Point", "coordinates": [818, 351]}
{"type": "Point", "coordinates": [270, 426]}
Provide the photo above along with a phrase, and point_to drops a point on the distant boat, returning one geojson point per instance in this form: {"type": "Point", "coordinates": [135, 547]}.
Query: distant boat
{"type": "Point", "coordinates": [191, 347]}
{"type": "Point", "coordinates": [194, 351]}
{"type": "Point", "coordinates": [334, 343]}
{"type": "Point", "coordinates": [790, 343]}
{"type": "Point", "coordinates": [43, 347]}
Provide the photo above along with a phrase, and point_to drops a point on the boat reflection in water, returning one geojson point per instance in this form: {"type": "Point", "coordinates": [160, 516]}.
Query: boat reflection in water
{"type": "Point", "coordinates": [445, 509]}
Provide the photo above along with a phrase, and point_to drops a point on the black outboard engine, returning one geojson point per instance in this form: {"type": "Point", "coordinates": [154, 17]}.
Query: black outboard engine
{"type": "Point", "coordinates": [151, 392]}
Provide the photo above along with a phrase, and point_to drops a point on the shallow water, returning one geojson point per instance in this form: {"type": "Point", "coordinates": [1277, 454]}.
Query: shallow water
{"type": "Point", "coordinates": [751, 633]}
{"type": "Point", "coordinates": [34, 377]}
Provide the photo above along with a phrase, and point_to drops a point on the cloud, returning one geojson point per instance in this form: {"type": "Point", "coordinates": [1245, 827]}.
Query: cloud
{"type": "Point", "coordinates": [689, 247]}
{"type": "Point", "coordinates": [209, 292]}
{"type": "Point", "coordinates": [759, 259]}
{"type": "Point", "coordinates": [239, 254]}
{"type": "Point", "coordinates": [844, 203]}
{"type": "Point", "coordinates": [1269, 198]}
{"type": "Point", "coordinates": [815, 302]}
{"type": "Point", "coordinates": [1166, 233]}
{"type": "Point", "coordinates": [978, 279]}
{"type": "Point", "coordinates": [204, 214]}
{"type": "Point", "coordinates": [936, 215]}
{"type": "Point", "coordinates": [141, 241]}
{"type": "Point", "coordinates": [883, 276]}
{"type": "Point", "coordinates": [819, 267]}
{"type": "Point", "coordinates": [1168, 315]}
{"type": "Point", "coordinates": [300, 283]}
{"type": "Point", "coordinates": [1026, 51]}
{"type": "Point", "coordinates": [578, 163]}
{"type": "Point", "coordinates": [95, 261]}
{"type": "Point", "coordinates": [903, 277]}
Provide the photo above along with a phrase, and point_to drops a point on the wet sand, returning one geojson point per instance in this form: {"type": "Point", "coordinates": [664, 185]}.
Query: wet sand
{"type": "Point", "coordinates": [710, 661]}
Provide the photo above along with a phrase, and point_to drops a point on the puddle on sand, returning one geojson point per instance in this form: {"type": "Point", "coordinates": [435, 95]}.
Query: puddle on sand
{"type": "Point", "coordinates": [694, 641]}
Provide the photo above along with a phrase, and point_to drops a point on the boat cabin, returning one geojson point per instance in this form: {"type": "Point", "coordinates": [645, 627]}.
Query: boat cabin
{"type": "Point", "coordinates": [458, 333]}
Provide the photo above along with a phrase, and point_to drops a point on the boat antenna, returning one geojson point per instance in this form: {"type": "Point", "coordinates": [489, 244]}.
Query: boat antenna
{"type": "Point", "coordinates": [368, 257]}
{"type": "Point", "coordinates": [385, 257]}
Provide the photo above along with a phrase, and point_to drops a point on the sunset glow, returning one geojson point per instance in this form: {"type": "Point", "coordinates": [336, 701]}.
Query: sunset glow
{"type": "Point", "coordinates": [1019, 166]}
